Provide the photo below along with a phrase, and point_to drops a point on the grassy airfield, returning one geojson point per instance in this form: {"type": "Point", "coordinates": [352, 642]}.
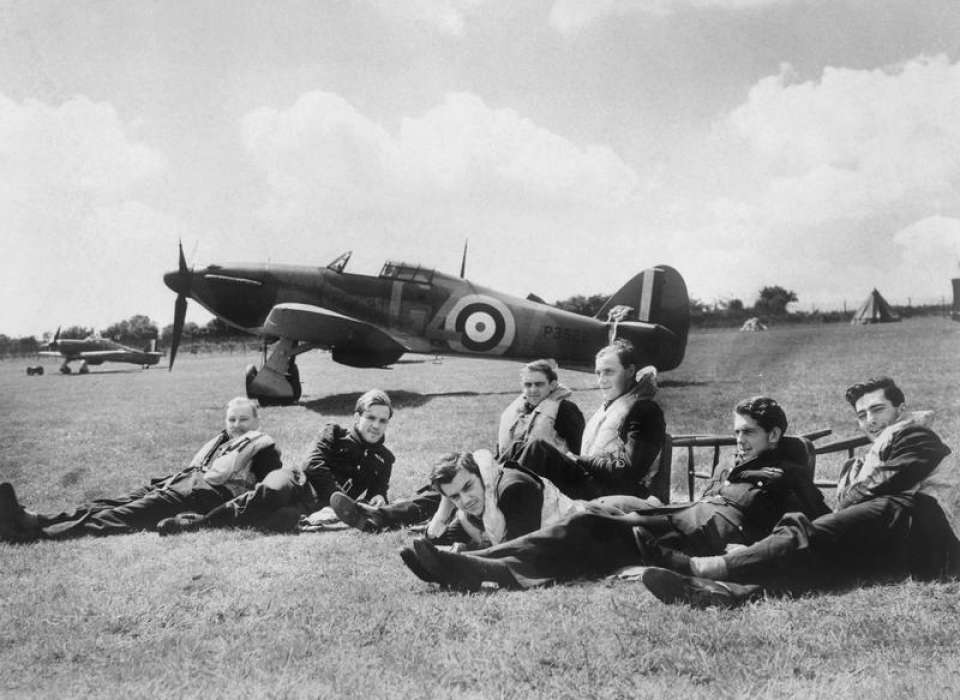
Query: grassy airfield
{"type": "Point", "coordinates": [240, 614]}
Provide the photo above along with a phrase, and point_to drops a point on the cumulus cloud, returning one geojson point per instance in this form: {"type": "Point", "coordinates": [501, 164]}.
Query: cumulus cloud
{"type": "Point", "coordinates": [931, 247]}
{"type": "Point", "coordinates": [460, 169]}
{"type": "Point", "coordinates": [75, 236]}
{"type": "Point", "coordinates": [570, 16]}
{"type": "Point", "coordinates": [447, 17]}
{"type": "Point", "coordinates": [815, 185]}
{"type": "Point", "coordinates": [832, 169]}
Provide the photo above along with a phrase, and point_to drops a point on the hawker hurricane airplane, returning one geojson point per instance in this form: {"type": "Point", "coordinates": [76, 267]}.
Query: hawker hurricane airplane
{"type": "Point", "coordinates": [370, 321]}
{"type": "Point", "coordinates": [94, 350]}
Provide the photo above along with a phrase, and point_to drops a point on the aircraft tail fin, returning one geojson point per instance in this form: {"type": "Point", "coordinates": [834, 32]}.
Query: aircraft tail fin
{"type": "Point", "coordinates": [656, 296]}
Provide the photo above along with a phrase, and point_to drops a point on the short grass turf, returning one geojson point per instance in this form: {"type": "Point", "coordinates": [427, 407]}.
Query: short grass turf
{"type": "Point", "coordinates": [241, 614]}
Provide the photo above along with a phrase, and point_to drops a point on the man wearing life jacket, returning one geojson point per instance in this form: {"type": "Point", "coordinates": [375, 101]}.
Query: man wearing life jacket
{"type": "Point", "coordinates": [621, 440]}
{"type": "Point", "coordinates": [740, 505]}
{"type": "Point", "coordinates": [897, 514]}
{"type": "Point", "coordinates": [485, 502]}
{"type": "Point", "coordinates": [232, 462]}
{"type": "Point", "coordinates": [351, 460]}
{"type": "Point", "coordinates": [541, 412]}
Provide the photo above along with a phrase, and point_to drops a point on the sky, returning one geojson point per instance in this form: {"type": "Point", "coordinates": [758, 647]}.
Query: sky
{"type": "Point", "coordinates": [812, 144]}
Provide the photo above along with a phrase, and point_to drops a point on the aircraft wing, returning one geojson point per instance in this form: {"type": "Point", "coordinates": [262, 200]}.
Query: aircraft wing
{"type": "Point", "coordinates": [314, 324]}
{"type": "Point", "coordinates": [104, 355]}
{"type": "Point", "coordinates": [101, 355]}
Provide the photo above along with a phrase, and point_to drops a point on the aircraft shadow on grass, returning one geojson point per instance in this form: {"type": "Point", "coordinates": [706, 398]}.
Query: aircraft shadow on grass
{"type": "Point", "coordinates": [678, 383]}
{"type": "Point", "coordinates": [343, 404]}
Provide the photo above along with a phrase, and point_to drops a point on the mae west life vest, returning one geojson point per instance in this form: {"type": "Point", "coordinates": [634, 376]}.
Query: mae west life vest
{"type": "Point", "coordinates": [602, 432]}
{"type": "Point", "coordinates": [228, 463]}
{"type": "Point", "coordinates": [556, 505]}
{"type": "Point", "coordinates": [519, 425]}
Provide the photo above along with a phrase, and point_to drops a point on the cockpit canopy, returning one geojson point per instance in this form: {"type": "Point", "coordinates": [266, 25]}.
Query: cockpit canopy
{"type": "Point", "coordinates": [406, 273]}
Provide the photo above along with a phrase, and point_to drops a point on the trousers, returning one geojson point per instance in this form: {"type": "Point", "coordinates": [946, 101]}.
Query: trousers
{"type": "Point", "coordinates": [276, 504]}
{"type": "Point", "coordinates": [900, 534]}
{"type": "Point", "coordinates": [611, 533]}
{"type": "Point", "coordinates": [544, 459]}
{"type": "Point", "coordinates": [139, 510]}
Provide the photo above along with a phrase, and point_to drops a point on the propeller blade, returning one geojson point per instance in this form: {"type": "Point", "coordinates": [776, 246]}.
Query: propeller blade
{"type": "Point", "coordinates": [180, 307]}
{"type": "Point", "coordinates": [463, 260]}
{"type": "Point", "coordinates": [179, 314]}
{"type": "Point", "coordinates": [56, 339]}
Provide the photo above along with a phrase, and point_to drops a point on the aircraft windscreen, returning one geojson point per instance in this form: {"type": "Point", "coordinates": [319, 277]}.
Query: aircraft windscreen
{"type": "Point", "coordinates": [406, 273]}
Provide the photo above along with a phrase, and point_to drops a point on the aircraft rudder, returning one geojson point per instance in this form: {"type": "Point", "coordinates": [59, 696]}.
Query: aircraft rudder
{"type": "Point", "coordinates": [671, 307]}
{"type": "Point", "coordinates": [657, 295]}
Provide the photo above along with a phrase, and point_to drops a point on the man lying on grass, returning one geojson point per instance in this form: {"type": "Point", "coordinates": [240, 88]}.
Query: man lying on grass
{"type": "Point", "coordinates": [229, 464]}
{"type": "Point", "coordinates": [896, 515]}
{"type": "Point", "coordinates": [490, 502]}
{"type": "Point", "coordinates": [619, 444]}
{"type": "Point", "coordinates": [740, 505]}
{"type": "Point", "coordinates": [350, 460]}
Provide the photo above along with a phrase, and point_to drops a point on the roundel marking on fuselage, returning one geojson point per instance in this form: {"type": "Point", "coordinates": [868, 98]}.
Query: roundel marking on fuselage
{"type": "Point", "coordinates": [485, 324]}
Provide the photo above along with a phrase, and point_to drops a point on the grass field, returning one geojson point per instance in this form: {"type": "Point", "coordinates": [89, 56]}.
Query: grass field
{"type": "Point", "coordinates": [241, 614]}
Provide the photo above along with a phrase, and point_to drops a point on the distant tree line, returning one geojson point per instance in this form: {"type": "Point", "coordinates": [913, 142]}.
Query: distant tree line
{"type": "Point", "coordinates": [771, 307]}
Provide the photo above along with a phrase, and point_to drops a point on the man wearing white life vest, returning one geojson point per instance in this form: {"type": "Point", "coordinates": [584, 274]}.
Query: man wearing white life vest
{"type": "Point", "coordinates": [542, 412]}
{"type": "Point", "coordinates": [620, 441]}
{"type": "Point", "coordinates": [232, 462]}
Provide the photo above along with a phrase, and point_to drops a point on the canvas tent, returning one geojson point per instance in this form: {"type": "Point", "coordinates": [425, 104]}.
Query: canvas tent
{"type": "Point", "coordinates": [874, 309]}
{"type": "Point", "coordinates": [753, 324]}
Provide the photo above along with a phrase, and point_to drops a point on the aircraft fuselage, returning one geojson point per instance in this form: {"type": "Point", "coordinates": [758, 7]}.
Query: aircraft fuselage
{"type": "Point", "coordinates": [425, 310]}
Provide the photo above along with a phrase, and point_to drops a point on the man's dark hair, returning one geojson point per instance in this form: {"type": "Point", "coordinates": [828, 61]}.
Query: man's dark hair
{"type": "Point", "coordinates": [890, 390]}
{"type": "Point", "coordinates": [765, 411]}
{"type": "Point", "coordinates": [625, 351]}
{"type": "Point", "coordinates": [448, 464]}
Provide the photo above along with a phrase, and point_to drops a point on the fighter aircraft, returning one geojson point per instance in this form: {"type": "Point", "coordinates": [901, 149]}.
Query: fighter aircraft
{"type": "Point", "coordinates": [94, 350]}
{"type": "Point", "coordinates": [370, 321]}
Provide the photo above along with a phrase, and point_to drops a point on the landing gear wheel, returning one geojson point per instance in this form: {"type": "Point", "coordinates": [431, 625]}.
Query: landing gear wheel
{"type": "Point", "coordinates": [84, 369]}
{"type": "Point", "coordinates": [64, 369]}
{"type": "Point", "coordinates": [271, 388]}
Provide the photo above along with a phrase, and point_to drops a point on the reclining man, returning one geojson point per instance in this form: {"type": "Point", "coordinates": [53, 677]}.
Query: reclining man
{"type": "Point", "coordinates": [542, 411]}
{"type": "Point", "coordinates": [352, 460]}
{"type": "Point", "coordinates": [739, 506]}
{"type": "Point", "coordinates": [896, 514]}
{"type": "Point", "coordinates": [485, 502]}
{"type": "Point", "coordinates": [620, 443]}
{"type": "Point", "coordinates": [229, 464]}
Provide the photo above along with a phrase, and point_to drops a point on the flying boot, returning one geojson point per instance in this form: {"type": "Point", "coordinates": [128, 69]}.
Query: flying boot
{"type": "Point", "coordinates": [17, 526]}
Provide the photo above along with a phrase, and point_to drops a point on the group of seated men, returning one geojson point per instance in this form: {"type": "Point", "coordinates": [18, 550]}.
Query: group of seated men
{"type": "Point", "coordinates": [562, 498]}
